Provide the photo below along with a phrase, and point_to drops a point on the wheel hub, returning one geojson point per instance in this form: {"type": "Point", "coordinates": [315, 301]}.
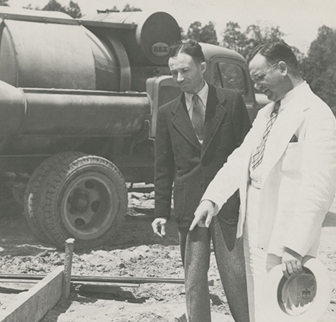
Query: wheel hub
{"type": "Point", "coordinates": [79, 203]}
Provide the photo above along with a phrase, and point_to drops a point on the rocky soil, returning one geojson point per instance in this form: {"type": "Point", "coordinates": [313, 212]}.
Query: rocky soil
{"type": "Point", "coordinates": [134, 252]}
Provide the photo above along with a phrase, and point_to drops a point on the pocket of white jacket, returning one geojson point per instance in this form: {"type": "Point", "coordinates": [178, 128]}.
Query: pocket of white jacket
{"type": "Point", "coordinates": [292, 158]}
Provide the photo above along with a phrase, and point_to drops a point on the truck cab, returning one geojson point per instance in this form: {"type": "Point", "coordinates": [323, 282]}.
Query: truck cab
{"type": "Point", "coordinates": [225, 68]}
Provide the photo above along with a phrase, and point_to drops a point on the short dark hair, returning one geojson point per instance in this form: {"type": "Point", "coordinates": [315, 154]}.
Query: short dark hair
{"type": "Point", "coordinates": [190, 47]}
{"type": "Point", "coordinates": [275, 51]}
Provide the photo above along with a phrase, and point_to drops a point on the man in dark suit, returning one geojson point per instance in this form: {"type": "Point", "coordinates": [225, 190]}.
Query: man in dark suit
{"type": "Point", "coordinates": [195, 134]}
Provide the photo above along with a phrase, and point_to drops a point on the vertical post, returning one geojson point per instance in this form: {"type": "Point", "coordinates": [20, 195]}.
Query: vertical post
{"type": "Point", "coordinates": [69, 244]}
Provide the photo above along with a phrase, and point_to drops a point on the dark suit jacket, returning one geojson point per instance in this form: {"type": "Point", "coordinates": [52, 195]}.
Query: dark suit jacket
{"type": "Point", "coordinates": [182, 162]}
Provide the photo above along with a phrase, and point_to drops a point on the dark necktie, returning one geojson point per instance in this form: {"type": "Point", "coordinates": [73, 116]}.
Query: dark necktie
{"type": "Point", "coordinates": [198, 116]}
{"type": "Point", "coordinates": [258, 156]}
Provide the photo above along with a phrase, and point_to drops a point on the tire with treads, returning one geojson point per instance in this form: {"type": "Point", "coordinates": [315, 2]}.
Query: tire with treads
{"type": "Point", "coordinates": [85, 198]}
{"type": "Point", "coordinates": [35, 189]}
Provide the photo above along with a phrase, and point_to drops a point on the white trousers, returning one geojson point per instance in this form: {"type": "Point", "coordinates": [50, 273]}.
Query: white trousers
{"type": "Point", "coordinates": [258, 262]}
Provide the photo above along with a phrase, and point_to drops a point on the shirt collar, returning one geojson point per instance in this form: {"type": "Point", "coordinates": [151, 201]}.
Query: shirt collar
{"type": "Point", "coordinates": [292, 94]}
{"type": "Point", "coordinates": [203, 95]}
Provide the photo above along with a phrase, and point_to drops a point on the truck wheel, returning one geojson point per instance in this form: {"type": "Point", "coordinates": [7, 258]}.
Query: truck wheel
{"type": "Point", "coordinates": [35, 189]}
{"type": "Point", "coordinates": [85, 198]}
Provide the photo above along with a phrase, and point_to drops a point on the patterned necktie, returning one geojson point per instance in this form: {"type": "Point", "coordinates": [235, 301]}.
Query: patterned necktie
{"type": "Point", "coordinates": [198, 116]}
{"type": "Point", "coordinates": [258, 156]}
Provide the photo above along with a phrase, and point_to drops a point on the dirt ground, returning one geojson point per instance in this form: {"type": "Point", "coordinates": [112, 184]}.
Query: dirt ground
{"type": "Point", "coordinates": [136, 252]}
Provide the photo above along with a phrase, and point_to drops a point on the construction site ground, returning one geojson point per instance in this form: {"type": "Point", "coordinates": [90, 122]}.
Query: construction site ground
{"type": "Point", "coordinates": [134, 252]}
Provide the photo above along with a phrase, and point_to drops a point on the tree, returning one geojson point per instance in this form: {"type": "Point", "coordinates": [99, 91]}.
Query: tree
{"type": "Point", "coordinates": [114, 9]}
{"type": "Point", "coordinates": [53, 5]}
{"type": "Point", "coordinates": [72, 9]}
{"type": "Point", "coordinates": [128, 8]}
{"type": "Point", "coordinates": [30, 7]}
{"type": "Point", "coordinates": [194, 31]}
{"type": "Point", "coordinates": [183, 35]}
{"type": "Point", "coordinates": [4, 3]}
{"type": "Point", "coordinates": [234, 39]}
{"type": "Point", "coordinates": [318, 68]}
{"type": "Point", "coordinates": [245, 42]}
{"type": "Point", "coordinates": [206, 34]}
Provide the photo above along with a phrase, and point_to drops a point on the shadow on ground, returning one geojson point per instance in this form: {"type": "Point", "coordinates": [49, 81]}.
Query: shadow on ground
{"type": "Point", "coordinates": [16, 238]}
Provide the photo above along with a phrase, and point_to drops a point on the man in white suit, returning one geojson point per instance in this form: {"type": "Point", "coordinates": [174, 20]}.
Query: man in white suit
{"type": "Point", "coordinates": [285, 171]}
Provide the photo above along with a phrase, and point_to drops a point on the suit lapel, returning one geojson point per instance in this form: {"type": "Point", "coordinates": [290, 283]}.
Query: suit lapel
{"type": "Point", "coordinates": [215, 112]}
{"type": "Point", "coordinates": [283, 129]}
{"type": "Point", "coordinates": [182, 124]}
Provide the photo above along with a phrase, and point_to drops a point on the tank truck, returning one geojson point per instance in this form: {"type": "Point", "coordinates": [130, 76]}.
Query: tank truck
{"type": "Point", "coordinates": [78, 106]}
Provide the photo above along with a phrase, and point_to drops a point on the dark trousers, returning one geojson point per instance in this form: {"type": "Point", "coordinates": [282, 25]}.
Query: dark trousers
{"type": "Point", "coordinates": [195, 252]}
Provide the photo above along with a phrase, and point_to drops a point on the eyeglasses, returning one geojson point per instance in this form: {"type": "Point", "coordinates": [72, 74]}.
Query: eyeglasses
{"type": "Point", "coordinates": [261, 77]}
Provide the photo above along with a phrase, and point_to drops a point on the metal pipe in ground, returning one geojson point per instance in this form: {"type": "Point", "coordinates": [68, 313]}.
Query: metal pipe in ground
{"type": "Point", "coordinates": [69, 245]}
{"type": "Point", "coordinates": [101, 279]}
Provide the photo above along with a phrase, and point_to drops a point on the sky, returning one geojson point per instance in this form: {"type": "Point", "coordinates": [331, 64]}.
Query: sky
{"type": "Point", "coordinates": [299, 20]}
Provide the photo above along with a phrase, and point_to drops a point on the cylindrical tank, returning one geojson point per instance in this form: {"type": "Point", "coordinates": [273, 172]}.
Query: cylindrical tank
{"type": "Point", "coordinates": [84, 113]}
{"type": "Point", "coordinates": [95, 53]}
{"type": "Point", "coordinates": [146, 44]}
{"type": "Point", "coordinates": [12, 109]}
{"type": "Point", "coordinates": [54, 53]}
{"type": "Point", "coordinates": [36, 120]}
{"type": "Point", "coordinates": [71, 112]}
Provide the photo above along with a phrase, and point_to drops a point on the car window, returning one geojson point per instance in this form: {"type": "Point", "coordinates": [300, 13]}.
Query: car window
{"type": "Point", "coordinates": [231, 76]}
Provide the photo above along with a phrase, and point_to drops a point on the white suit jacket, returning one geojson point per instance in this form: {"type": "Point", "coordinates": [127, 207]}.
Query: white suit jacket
{"type": "Point", "coordinates": [299, 179]}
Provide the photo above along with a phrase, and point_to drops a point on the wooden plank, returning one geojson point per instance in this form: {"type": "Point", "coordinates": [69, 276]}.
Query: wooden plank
{"type": "Point", "coordinates": [33, 305]}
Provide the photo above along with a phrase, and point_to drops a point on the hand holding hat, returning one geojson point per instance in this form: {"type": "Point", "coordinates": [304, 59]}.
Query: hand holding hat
{"type": "Point", "coordinates": [291, 263]}
{"type": "Point", "coordinates": [302, 297]}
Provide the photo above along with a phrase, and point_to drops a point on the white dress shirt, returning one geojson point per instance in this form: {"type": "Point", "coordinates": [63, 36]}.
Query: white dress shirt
{"type": "Point", "coordinates": [257, 173]}
{"type": "Point", "coordinates": [203, 95]}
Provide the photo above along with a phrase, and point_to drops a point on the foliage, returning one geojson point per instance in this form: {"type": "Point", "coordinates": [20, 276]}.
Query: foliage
{"type": "Point", "coordinates": [114, 9]}
{"type": "Point", "coordinates": [319, 66]}
{"type": "Point", "coordinates": [4, 3]}
{"type": "Point", "coordinates": [128, 8]}
{"type": "Point", "coordinates": [183, 35]}
{"type": "Point", "coordinates": [30, 7]}
{"type": "Point", "coordinates": [53, 5]}
{"type": "Point", "coordinates": [206, 34]}
{"type": "Point", "coordinates": [234, 39]}
{"type": "Point", "coordinates": [72, 9]}
{"type": "Point", "coordinates": [194, 31]}
{"type": "Point", "coordinates": [245, 42]}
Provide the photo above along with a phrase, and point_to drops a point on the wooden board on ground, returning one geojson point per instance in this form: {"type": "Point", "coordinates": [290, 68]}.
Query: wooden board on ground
{"type": "Point", "coordinates": [34, 304]}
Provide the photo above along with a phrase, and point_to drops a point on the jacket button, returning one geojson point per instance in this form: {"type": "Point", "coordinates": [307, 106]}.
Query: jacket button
{"type": "Point", "coordinates": [201, 185]}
